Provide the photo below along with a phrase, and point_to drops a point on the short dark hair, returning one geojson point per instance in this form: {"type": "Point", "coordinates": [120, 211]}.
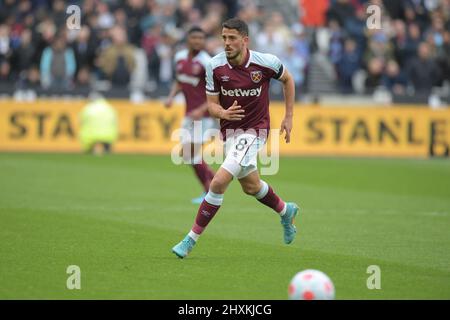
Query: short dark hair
{"type": "Point", "coordinates": [195, 29]}
{"type": "Point", "coordinates": [236, 24]}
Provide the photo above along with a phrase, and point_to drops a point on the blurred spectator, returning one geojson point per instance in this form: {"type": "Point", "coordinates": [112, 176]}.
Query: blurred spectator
{"type": "Point", "coordinates": [7, 10]}
{"type": "Point", "coordinates": [24, 55]}
{"type": "Point", "coordinates": [5, 42]}
{"type": "Point", "coordinates": [45, 32]}
{"type": "Point", "coordinates": [341, 11]}
{"type": "Point", "coordinates": [167, 16]}
{"type": "Point", "coordinates": [415, 11]}
{"type": "Point", "coordinates": [58, 65]}
{"type": "Point", "coordinates": [183, 11]}
{"type": "Point", "coordinates": [120, 18]}
{"type": "Point", "coordinates": [296, 64]}
{"type": "Point", "coordinates": [135, 10]}
{"type": "Point", "coordinates": [30, 79]}
{"type": "Point", "coordinates": [300, 42]}
{"type": "Point", "coordinates": [394, 79]}
{"type": "Point", "coordinates": [165, 55]}
{"type": "Point", "coordinates": [105, 19]}
{"type": "Point", "coordinates": [302, 51]}
{"type": "Point", "coordinates": [275, 36]}
{"type": "Point", "coordinates": [5, 72]}
{"type": "Point", "coordinates": [336, 49]}
{"type": "Point", "coordinates": [378, 52]}
{"type": "Point", "coordinates": [348, 65]}
{"type": "Point", "coordinates": [83, 77]}
{"type": "Point", "coordinates": [395, 8]}
{"type": "Point", "coordinates": [84, 48]}
{"type": "Point", "coordinates": [379, 47]}
{"type": "Point", "coordinates": [150, 42]}
{"type": "Point", "coordinates": [406, 42]}
{"type": "Point", "coordinates": [251, 15]}
{"type": "Point", "coordinates": [212, 21]}
{"type": "Point", "coordinates": [213, 46]}
{"type": "Point", "coordinates": [117, 61]}
{"type": "Point", "coordinates": [231, 7]}
{"type": "Point", "coordinates": [355, 27]}
{"type": "Point", "coordinates": [375, 69]}
{"type": "Point", "coordinates": [23, 9]}
{"type": "Point", "coordinates": [423, 72]}
{"type": "Point", "coordinates": [59, 13]}
{"type": "Point", "coordinates": [436, 31]}
{"type": "Point", "coordinates": [443, 58]}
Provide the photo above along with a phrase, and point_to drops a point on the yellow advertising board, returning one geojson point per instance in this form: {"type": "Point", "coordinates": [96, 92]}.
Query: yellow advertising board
{"type": "Point", "coordinates": [52, 126]}
{"type": "Point", "coordinates": [362, 131]}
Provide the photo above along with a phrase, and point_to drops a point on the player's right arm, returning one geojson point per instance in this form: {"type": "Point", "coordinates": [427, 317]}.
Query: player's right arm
{"type": "Point", "coordinates": [173, 92]}
{"type": "Point", "coordinates": [233, 113]}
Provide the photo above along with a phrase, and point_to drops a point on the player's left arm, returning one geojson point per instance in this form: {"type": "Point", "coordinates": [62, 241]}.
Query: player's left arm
{"type": "Point", "coordinates": [289, 98]}
{"type": "Point", "coordinates": [176, 88]}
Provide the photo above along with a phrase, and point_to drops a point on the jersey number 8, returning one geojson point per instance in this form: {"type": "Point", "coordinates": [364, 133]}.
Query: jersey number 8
{"type": "Point", "coordinates": [241, 145]}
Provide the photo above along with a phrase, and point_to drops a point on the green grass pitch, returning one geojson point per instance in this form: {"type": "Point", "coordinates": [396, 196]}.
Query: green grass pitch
{"type": "Point", "coordinates": [117, 218]}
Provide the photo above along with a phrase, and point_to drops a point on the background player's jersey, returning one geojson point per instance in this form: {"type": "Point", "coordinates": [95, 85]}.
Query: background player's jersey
{"type": "Point", "coordinates": [248, 84]}
{"type": "Point", "coordinates": [190, 74]}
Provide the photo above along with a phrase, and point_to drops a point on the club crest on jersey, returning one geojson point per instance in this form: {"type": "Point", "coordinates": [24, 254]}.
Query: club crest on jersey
{"type": "Point", "coordinates": [256, 76]}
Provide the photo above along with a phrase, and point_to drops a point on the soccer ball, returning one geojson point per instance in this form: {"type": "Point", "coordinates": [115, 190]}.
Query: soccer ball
{"type": "Point", "coordinates": [311, 285]}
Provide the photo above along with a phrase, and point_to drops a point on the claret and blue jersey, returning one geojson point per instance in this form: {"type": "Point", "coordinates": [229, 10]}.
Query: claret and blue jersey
{"type": "Point", "coordinates": [248, 84]}
{"type": "Point", "coordinates": [190, 74]}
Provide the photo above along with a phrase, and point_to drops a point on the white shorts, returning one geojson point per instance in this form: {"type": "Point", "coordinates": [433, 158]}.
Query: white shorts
{"type": "Point", "coordinates": [242, 154]}
{"type": "Point", "coordinates": [199, 131]}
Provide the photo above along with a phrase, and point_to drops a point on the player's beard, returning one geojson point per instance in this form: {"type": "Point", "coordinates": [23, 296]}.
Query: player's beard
{"type": "Point", "coordinates": [231, 56]}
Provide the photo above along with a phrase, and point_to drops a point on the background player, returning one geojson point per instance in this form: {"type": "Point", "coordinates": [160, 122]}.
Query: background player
{"type": "Point", "coordinates": [237, 86]}
{"type": "Point", "coordinates": [190, 66]}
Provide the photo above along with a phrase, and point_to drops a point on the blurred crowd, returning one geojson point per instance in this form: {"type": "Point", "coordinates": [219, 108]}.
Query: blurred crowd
{"type": "Point", "coordinates": [123, 42]}
{"type": "Point", "coordinates": [131, 43]}
{"type": "Point", "coordinates": [407, 50]}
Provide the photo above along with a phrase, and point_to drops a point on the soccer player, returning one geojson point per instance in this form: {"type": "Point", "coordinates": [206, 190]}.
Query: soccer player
{"type": "Point", "coordinates": [237, 86]}
{"type": "Point", "coordinates": [190, 66]}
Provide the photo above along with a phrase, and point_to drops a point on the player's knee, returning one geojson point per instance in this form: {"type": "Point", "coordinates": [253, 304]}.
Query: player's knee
{"type": "Point", "coordinates": [218, 185]}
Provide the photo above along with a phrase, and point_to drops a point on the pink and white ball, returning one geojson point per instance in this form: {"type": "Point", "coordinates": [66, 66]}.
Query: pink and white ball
{"type": "Point", "coordinates": [311, 285]}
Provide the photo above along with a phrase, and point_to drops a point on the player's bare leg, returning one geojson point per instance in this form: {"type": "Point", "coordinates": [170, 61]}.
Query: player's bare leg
{"type": "Point", "coordinates": [207, 210]}
{"type": "Point", "coordinates": [253, 185]}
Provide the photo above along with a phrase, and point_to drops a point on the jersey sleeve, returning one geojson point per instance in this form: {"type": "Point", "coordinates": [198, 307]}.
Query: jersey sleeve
{"type": "Point", "coordinates": [212, 87]}
{"type": "Point", "coordinates": [277, 66]}
{"type": "Point", "coordinates": [204, 59]}
{"type": "Point", "coordinates": [272, 63]}
{"type": "Point", "coordinates": [175, 60]}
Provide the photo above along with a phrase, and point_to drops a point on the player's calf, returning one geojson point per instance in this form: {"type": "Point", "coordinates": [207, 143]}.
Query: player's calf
{"type": "Point", "coordinates": [206, 212]}
{"type": "Point", "coordinates": [268, 197]}
{"type": "Point", "coordinates": [287, 210]}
